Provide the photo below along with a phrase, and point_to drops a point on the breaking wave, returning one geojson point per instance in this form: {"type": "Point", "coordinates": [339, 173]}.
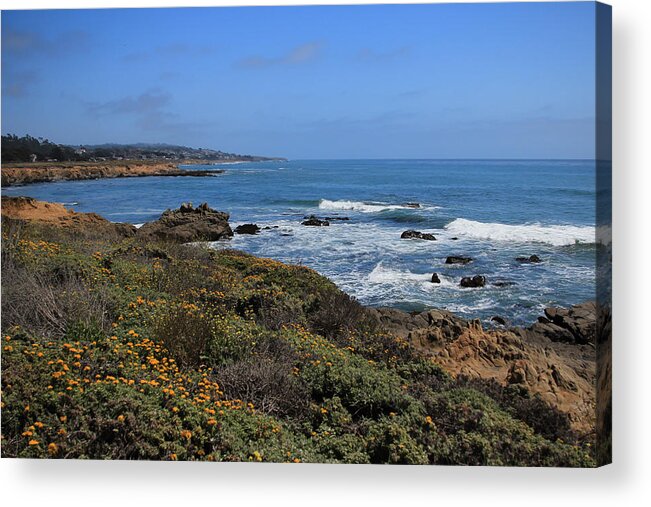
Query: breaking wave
{"type": "Point", "coordinates": [362, 207]}
{"type": "Point", "coordinates": [556, 235]}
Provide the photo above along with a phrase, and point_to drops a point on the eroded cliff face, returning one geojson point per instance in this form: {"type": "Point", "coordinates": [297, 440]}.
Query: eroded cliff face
{"type": "Point", "coordinates": [27, 209]}
{"type": "Point", "coordinates": [563, 374]}
{"type": "Point", "coordinates": [24, 174]}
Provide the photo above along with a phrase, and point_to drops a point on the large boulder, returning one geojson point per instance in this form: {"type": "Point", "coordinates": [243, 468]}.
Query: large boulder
{"type": "Point", "coordinates": [188, 224]}
{"type": "Point", "coordinates": [579, 320]}
{"type": "Point", "coordinates": [247, 229]}
{"type": "Point", "coordinates": [472, 282]}
{"type": "Point", "coordinates": [411, 234]}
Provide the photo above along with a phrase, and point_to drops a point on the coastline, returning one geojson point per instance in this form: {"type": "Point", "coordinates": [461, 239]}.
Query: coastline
{"type": "Point", "coordinates": [554, 358]}
{"type": "Point", "coordinates": [24, 173]}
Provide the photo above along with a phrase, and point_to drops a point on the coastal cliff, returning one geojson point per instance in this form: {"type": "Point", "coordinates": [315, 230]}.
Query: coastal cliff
{"type": "Point", "coordinates": [38, 172]}
{"type": "Point", "coordinates": [134, 346]}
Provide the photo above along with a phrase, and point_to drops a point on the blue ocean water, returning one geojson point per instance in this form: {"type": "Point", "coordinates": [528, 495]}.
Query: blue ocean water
{"type": "Point", "coordinates": [497, 210]}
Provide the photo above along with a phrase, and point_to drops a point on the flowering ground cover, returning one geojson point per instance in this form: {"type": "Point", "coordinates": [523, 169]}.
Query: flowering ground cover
{"type": "Point", "coordinates": [124, 349]}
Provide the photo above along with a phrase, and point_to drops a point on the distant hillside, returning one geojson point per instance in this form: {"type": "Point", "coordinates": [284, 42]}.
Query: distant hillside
{"type": "Point", "coordinates": [31, 149]}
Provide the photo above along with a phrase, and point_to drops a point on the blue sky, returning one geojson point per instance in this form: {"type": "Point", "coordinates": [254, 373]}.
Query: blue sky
{"type": "Point", "coordinates": [404, 81]}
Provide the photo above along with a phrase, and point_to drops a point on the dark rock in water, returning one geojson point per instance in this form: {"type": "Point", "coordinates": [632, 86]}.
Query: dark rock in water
{"type": "Point", "coordinates": [435, 278]}
{"type": "Point", "coordinates": [534, 259]}
{"type": "Point", "coordinates": [503, 284]}
{"type": "Point", "coordinates": [411, 234]}
{"type": "Point", "coordinates": [336, 218]}
{"type": "Point", "coordinates": [475, 281]}
{"type": "Point", "coordinates": [315, 222]}
{"type": "Point", "coordinates": [267, 227]}
{"type": "Point", "coordinates": [499, 320]}
{"type": "Point", "coordinates": [457, 259]}
{"type": "Point", "coordinates": [454, 238]}
{"type": "Point", "coordinates": [188, 224]}
{"type": "Point", "coordinates": [247, 229]}
{"type": "Point", "coordinates": [414, 205]}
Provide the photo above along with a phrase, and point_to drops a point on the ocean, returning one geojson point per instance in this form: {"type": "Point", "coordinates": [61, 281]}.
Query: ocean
{"type": "Point", "coordinates": [496, 209]}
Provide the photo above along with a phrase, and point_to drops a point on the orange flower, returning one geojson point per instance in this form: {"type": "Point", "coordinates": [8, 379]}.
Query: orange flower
{"type": "Point", "coordinates": [52, 448]}
{"type": "Point", "coordinates": [33, 442]}
{"type": "Point", "coordinates": [186, 434]}
{"type": "Point", "coordinates": [121, 418]}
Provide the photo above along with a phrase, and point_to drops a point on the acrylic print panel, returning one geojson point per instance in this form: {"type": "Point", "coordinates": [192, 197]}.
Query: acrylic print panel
{"type": "Point", "coordinates": [293, 240]}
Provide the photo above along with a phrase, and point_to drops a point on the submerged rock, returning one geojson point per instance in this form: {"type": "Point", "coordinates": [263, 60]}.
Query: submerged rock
{"type": "Point", "coordinates": [188, 224]}
{"type": "Point", "coordinates": [412, 234]}
{"type": "Point", "coordinates": [247, 229]}
{"type": "Point", "coordinates": [458, 259]}
{"type": "Point", "coordinates": [503, 284]}
{"type": "Point", "coordinates": [534, 259]}
{"type": "Point", "coordinates": [414, 205]}
{"type": "Point", "coordinates": [475, 281]}
{"type": "Point", "coordinates": [315, 222]}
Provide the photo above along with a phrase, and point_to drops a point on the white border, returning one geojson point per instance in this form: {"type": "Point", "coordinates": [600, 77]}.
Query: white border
{"type": "Point", "coordinates": [624, 483]}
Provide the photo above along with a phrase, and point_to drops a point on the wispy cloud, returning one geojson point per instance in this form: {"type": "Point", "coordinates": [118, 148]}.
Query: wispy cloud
{"type": "Point", "coordinates": [17, 84]}
{"type": "Point", "coordinates": [384, 119]}
{"type": "Point", "coordinates": [412, 94]}
{"type": "Point", "coordinates": [168, 51]}
{"type": "Point", "coordinates": [149, 102]}
{"type": "Point", "coordinates": [372, 55]}
{"type": "Point", "coordinates": [298, 55]}
{"type": "Point", "coordinates": [23, 43]}
{"type": "Point", "coordinates": [149, 110]}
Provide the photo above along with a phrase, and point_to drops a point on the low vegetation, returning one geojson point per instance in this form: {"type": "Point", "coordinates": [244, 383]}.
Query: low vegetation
{"type": "Point", "coordinates": [121, 349]}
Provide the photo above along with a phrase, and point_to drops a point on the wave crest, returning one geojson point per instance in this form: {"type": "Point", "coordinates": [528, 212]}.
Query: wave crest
{"type": "Point", "coordinates": [362, 207]}
{"type": "Point", "coordinates": [556, 235]}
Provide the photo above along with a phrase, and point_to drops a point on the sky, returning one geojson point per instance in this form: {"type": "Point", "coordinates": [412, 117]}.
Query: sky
{"type": "Point", "coordinates": [510, 80]}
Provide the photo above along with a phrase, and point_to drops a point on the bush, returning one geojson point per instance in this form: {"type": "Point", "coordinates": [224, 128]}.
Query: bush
{"type": "Point", "coordinates": [48, 302]}
{"type": "Point", "coordinates": [335, 313]}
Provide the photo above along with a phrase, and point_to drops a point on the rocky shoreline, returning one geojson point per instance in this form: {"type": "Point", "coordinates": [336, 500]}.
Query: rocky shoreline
{"type": "Point", "coordinates": [23, 174]}
{"type": "Point", "coordinates": [553, 358]}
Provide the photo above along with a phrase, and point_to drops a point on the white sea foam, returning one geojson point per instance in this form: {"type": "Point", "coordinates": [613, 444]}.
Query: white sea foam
{"type": "Point", "coordinates": [383, 274]}
{"type": "Point", "coordinates": [556, 235]}
{"type": "Point", "coordinates": [362, 207]}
